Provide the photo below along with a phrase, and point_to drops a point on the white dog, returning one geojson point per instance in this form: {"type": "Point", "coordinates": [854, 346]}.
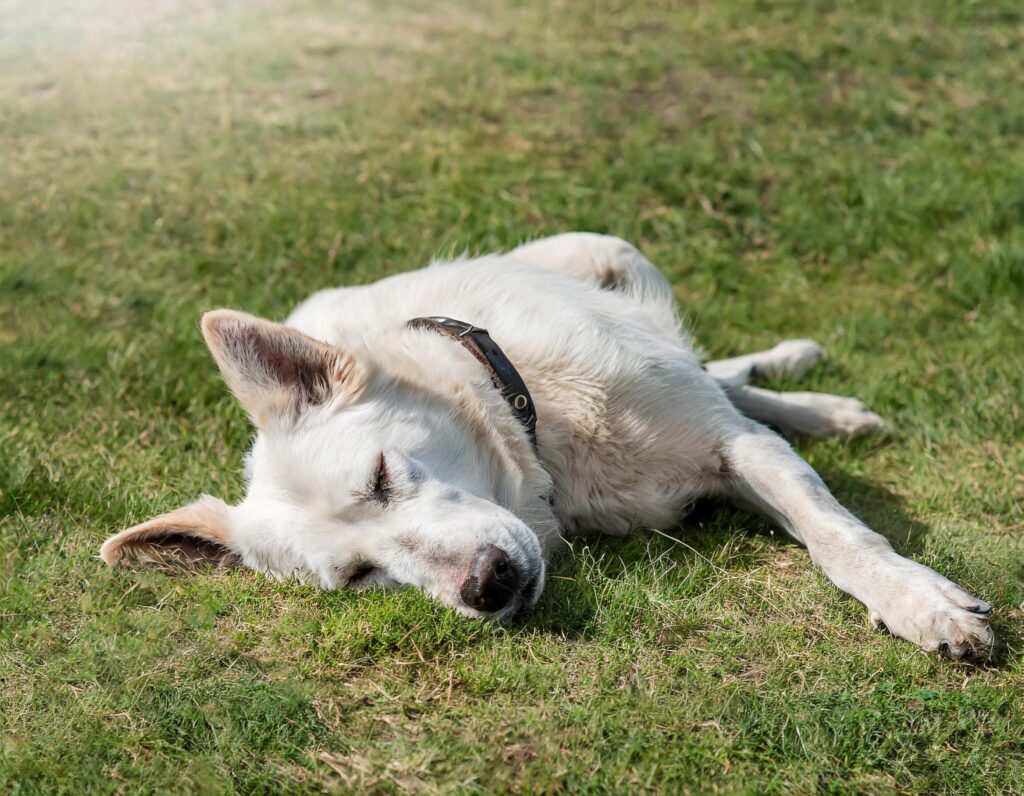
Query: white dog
{"type": "Point", "coordinates": [394, 453]}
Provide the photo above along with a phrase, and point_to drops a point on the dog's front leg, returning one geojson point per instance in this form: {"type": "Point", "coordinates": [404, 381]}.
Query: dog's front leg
{"type": "Point", "coordinates": [911, 600]}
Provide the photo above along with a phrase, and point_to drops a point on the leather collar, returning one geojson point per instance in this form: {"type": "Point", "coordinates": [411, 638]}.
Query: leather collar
{"type": "Point", "coordinates": [503, 374]}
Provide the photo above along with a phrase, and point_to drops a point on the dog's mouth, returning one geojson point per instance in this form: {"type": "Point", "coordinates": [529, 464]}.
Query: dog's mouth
{"type": "Point", "coordinates": [531, 590]}
{"type": "Point", "coordinates": [523, 602]}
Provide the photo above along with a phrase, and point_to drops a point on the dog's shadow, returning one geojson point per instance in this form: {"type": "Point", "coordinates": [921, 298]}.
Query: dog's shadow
{"type": "Point", "coordinates": [885, 512]}
{"type": "Point", "coordinates": [880, 509]}
{"type": "Point", "coordinates": [569, 611]}
{"type": "Point", "coordinates": [571, 600]}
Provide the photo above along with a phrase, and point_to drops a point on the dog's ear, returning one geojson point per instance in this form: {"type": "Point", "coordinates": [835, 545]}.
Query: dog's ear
{"type": "Point", "coordinates": [272, 369]}
{"type": "Point", "coordinates": [198, 532]}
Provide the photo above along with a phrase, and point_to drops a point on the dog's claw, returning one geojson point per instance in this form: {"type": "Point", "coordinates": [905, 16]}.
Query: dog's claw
{"type": "Point", "coordinates": [984, 609]}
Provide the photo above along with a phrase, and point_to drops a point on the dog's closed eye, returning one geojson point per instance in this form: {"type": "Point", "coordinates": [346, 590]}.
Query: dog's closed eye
{"type": "Point", "coordinates": [380, 486]}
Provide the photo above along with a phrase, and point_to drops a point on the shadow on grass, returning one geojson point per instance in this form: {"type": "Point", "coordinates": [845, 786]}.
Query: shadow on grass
{"type": "Point", "coordinates": [881, 510]}
{"type": "Point", "coordinates": [583, 583]}
{"type": "Point", "coordinates": [571, 603]}
{"type": "Point", "coordinates": [564, 609]}
{"type": "Point", "coordinates": [1009, 646]}
{"type": "Point", "coordinates": [885, 512]}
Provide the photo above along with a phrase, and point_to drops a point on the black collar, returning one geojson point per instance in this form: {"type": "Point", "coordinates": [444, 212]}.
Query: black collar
{"type": "Point", "coordinates": [503, 374]}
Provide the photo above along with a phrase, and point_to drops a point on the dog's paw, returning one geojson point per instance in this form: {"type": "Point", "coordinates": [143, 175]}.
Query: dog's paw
{"type": "Point", "coordinates": [824, 415]}
{"type": "Point", "coordinates": [850, 418]}
{"type": "Point", "coordinates": [789, 359]}
{"type": "Point", "coordinates": [938, 615]}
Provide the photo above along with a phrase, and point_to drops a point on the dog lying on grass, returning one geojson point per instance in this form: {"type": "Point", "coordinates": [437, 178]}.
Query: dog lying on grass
{"type": "Point", "coordinates": [396, 446]}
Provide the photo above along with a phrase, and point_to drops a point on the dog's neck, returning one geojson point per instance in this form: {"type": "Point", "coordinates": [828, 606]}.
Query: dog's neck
{"type": "Point", "coordinates": [500, 369]}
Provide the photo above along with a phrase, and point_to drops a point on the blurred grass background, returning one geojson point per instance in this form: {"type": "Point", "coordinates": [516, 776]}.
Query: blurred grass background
{"type": "Point", "coordinates": [850, 172]}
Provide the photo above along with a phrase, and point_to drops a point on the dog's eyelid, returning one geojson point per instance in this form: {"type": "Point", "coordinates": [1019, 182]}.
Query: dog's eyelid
{"type": "Point", "coordinates": [380, 486]}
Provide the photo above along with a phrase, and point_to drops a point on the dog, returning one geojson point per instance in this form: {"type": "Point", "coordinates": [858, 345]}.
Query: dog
{"type": "Point", "coordinates": [398, 444]}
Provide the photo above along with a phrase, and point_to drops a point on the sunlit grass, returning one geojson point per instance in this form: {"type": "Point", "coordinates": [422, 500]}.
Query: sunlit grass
{"type": "Point", "coordinates": [847, 172]}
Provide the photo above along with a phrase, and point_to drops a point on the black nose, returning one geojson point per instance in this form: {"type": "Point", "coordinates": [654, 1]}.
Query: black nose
{"type": "Point", "coordinates": [492, 582]}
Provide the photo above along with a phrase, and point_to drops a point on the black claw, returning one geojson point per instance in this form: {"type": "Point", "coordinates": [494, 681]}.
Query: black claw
{"type": "Point", "coordinates": [982, 609]}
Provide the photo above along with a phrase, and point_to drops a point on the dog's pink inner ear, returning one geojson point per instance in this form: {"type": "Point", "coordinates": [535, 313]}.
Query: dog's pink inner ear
{"type": "Point", "coordinates": [197, 533]}
{"type": "Point", "coordinates": [271, 368]}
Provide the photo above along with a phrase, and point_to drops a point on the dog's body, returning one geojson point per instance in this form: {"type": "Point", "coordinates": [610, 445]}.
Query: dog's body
{"type": "Point", "coordinates": [386, 456]}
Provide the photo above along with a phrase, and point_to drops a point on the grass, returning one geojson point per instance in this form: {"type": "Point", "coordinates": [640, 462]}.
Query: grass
{"type": "Point", "coordinates": [850, 172]}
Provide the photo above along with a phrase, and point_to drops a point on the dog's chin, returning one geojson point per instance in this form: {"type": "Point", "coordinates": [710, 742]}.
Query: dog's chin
{"type": "Point", "coordinates": [507, 615]}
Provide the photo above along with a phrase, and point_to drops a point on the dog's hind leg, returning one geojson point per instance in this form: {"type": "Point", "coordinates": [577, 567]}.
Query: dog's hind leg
{"type": "Point", "coordinates": [909, 599]}
{"type": "Point", "coordinates": [601, 260]}
{"type": "Point", "coordinates": [790, 358]}
{"type": "Point", "coordinates": [815, 414]}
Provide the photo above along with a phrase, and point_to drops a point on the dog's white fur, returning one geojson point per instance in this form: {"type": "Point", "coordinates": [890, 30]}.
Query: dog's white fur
{"type": "Point", "coordinates": [632, 429]}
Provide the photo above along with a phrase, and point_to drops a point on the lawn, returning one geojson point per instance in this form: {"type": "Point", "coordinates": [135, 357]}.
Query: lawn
{"type": "Point", "coordinates": [851, 172]}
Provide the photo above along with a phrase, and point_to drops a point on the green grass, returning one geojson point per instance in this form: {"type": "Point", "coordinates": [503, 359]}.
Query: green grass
{"type": "Point", "coordinates": [850, 172]}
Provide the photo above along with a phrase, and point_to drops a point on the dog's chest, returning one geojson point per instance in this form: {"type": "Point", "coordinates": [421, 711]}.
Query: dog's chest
{"type": "Point", "coordinates": [619, 450]}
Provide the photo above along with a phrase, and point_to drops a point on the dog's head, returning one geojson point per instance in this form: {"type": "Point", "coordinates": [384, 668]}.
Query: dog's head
{"type": "Point", "coordinates": [379, 465]}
